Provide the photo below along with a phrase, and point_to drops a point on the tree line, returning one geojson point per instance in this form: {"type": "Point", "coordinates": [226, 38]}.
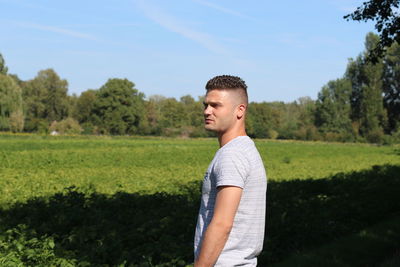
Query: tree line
{"type": "Point", "coordinates": [363, 105]}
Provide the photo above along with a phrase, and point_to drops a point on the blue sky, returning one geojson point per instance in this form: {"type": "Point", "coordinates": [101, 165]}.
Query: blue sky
{"type": "Point", "coordinates": [282, 49]}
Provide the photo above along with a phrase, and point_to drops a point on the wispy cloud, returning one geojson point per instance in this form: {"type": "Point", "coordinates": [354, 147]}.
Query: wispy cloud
{"type": "Point", "coordinates": [223, 9]}
{"type": "Point", "coordinates": [58, 30]}
{"type": "Point", "coordinates": [172, 24]}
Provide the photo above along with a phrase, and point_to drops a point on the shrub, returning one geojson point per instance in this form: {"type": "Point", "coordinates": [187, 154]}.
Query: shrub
{"type": "Point", "coordinates": [396, 136]}
{"type": "Point", "coordinates": [16, 121]}
{"type": "Point", "coordinates": [89, 128]}
{"type": "Point", "coordinates": [331, 136]}
{"type": "Point", "coordinates": [67, 126]}
{"type": "Point", "coordinates": [375, 136]}
{"type": "Point", "coordinates": [272, 134]}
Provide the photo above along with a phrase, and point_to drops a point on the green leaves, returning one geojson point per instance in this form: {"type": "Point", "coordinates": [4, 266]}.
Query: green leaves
{"type": "Point", "coordinates": [118, 107]}
{"type": "Point", "coordinates": [387, 23]}
{"type": "Point", "coordinates": [21, 246]}
{"type": "Point", "coordinates": [10, 104]}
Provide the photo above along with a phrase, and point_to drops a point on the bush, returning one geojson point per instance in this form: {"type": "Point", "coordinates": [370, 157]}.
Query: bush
{"type": "Point", "coordinates": [339, 137]}
{"type": "Point", "coordinates": [42, 126]}
{"type": "Point", "coordinates": [331, 136]}
{"type": "Point", "coordinates": [171, 132]}
{"type": "Point", "coordinates": [199, 132]}
{"type": "Point", "coordinates": [309, 132]}
{"type": "Point", "coordinates": [89, 128]}
{"type": "Point", "coordinates": [375, 136]}
{"type": "Point", "coordinates": [67, 126]}
{"type": "Point", "coordinates": [272, 134]}
{"type": "Point", "coordinates": [396, 136]}
{"type": "Point", "coordinates": [16, 121]}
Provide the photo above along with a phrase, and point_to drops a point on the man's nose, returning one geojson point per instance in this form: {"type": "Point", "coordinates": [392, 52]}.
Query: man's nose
{"type": "Point", "coordinates": [207, 110]}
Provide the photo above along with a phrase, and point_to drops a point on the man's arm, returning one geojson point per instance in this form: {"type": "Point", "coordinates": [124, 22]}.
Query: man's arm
{"type": "Point", "coordinates": [217, 233]}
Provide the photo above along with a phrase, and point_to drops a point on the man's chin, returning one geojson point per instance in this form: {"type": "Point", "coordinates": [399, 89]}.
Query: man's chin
{"type": "Point", "coordinates": [209, 127]}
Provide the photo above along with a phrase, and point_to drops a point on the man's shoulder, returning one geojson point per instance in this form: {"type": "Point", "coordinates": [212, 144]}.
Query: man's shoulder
{"type": "Point", "coordinates": [243, 146]}
{"type": "Point", "coordinates": [240, 143]}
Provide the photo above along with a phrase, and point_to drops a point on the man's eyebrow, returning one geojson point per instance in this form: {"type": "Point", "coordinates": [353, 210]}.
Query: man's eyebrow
{"type": "Point", "coordinates": [212, 103]}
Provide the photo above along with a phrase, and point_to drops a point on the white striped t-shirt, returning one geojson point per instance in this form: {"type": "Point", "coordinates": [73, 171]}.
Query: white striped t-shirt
{"type": "Point", "coordinates": [237, 163]}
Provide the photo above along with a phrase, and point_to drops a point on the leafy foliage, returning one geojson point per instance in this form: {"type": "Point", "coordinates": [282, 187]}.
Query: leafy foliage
{"type": "Point", "coordinates": [333, 107]}
{"type": "Point", "coordinates": [45, 99]}
{"type": "Point", "coordinates": [118, 107]}
{"type": "Point", "coordinates": [3, 67]}
{"type": "Point", "coordinates": [10, 102]}
{"type": "Point", "coordinates": [391, 86]}
{"type": "Point", "coordinates": [386, 15]}
{"type": "Point", "coordinates": [66, 126]}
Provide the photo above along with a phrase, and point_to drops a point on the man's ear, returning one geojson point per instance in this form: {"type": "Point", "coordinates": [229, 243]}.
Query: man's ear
{"type": "Point", "coordinates": [241, 110]}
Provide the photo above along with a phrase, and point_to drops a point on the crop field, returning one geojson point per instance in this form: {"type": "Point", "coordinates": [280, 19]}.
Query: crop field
{"type": "Point", "coordinates": [34, 165]}
{"type": "Point", "coordinates": [123, 201]}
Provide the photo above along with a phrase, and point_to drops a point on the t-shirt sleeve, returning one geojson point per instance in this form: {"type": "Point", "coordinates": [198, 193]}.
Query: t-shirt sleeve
{"type": "Point", "coordinates": [232, 169]}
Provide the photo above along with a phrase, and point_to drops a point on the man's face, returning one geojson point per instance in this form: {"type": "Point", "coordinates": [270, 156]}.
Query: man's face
{"type": "Point", "coordinates": [219, 110]}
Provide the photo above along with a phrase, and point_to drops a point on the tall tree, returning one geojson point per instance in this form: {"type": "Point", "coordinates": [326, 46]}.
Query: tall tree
{"type": "Point", "coordinates": [391, 86]}
{"type": "Point", "coordinates": [386, 15]}
{"type": "Point", "coordinates": [119, 107]}
{"type": "Point", "coordinates": [260, 120]}
{"type": "Point", "coordinates": [333, 107]}
{"type": "Point", "coordinates": [84, 106]}
{"type": "Point", "coordinates": [45, 99]}
{"type": "Point", "coordinates": [193, 110]}
{"type": "Point", "coordinates": [56, 101]}
{"type": "Point", "coordinates": [153, 113]}
{"type": "Point", "coordinates": [303, 119]}
{"type": "Point", "coordinates": [3, 67]}
{"type": "Point", "coordinates": [172, 114]}
{"type": "Point", "coordinates": [10, 103]}
{"type": "Point", "coordinates": [367, 90]}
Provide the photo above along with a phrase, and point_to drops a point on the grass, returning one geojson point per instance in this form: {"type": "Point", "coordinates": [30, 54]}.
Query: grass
{"type": "Point", "coordinates": [364, 248]}
{"type": "Point", "coordinates": [123, 201]}
{"type": "Point", "coordinates": [43, 165]}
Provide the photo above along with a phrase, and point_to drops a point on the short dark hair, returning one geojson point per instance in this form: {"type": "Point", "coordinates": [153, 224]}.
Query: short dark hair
{"type": "Point", "coordinates": [228, 82]}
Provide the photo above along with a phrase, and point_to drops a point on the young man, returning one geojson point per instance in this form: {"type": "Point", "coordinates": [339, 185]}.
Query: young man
{"type": "Point", "coordinates": [231, 221]}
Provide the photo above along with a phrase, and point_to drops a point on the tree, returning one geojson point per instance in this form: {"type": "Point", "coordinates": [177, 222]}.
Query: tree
{"type": "Point", "coordinates": [3, 68]}
{"type": "Point", "coordinates": [172, 117]}
{"type": "Point", "coordinates": [17, 121]}
{"type": "Point", "coordinates": [56, 101]}
{"type": "Point", "coordinates": [260, 120]}
{"type": "Point", "coordinates": [152, 107]}
{"type": "Point", "coordinates": [368, 113]}
{"type": "Point", "coordinates": [387, 16]}
{"type": "Point", "coordinates": [71, 105]}
{"type": "Point", "coordinates": [10, 102]}
{"type": "Point", "coordinates": [84, 106]}
{"type": "Point", "coordinates": [193, 110]}
{"type": "Point", "coordinates": [333, 107]}
{"type": "Point", "coordinates": [306, 119]}
{"type": "Point", "coordinates": [119, 107]}
{"type": "Point", "coordinates": [45, 99]}
{"type": "Point", "coordinates": [391, 86]}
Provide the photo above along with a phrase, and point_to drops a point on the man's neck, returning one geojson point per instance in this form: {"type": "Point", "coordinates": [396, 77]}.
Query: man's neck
{"type": "Point", "coordinates": [224, 138]}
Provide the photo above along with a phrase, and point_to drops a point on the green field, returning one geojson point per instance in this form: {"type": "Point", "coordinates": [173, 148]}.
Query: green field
{"type": "Point", "coordinates": [40, 165]}
{"type": "Point", "coordinates": [90, 201]}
